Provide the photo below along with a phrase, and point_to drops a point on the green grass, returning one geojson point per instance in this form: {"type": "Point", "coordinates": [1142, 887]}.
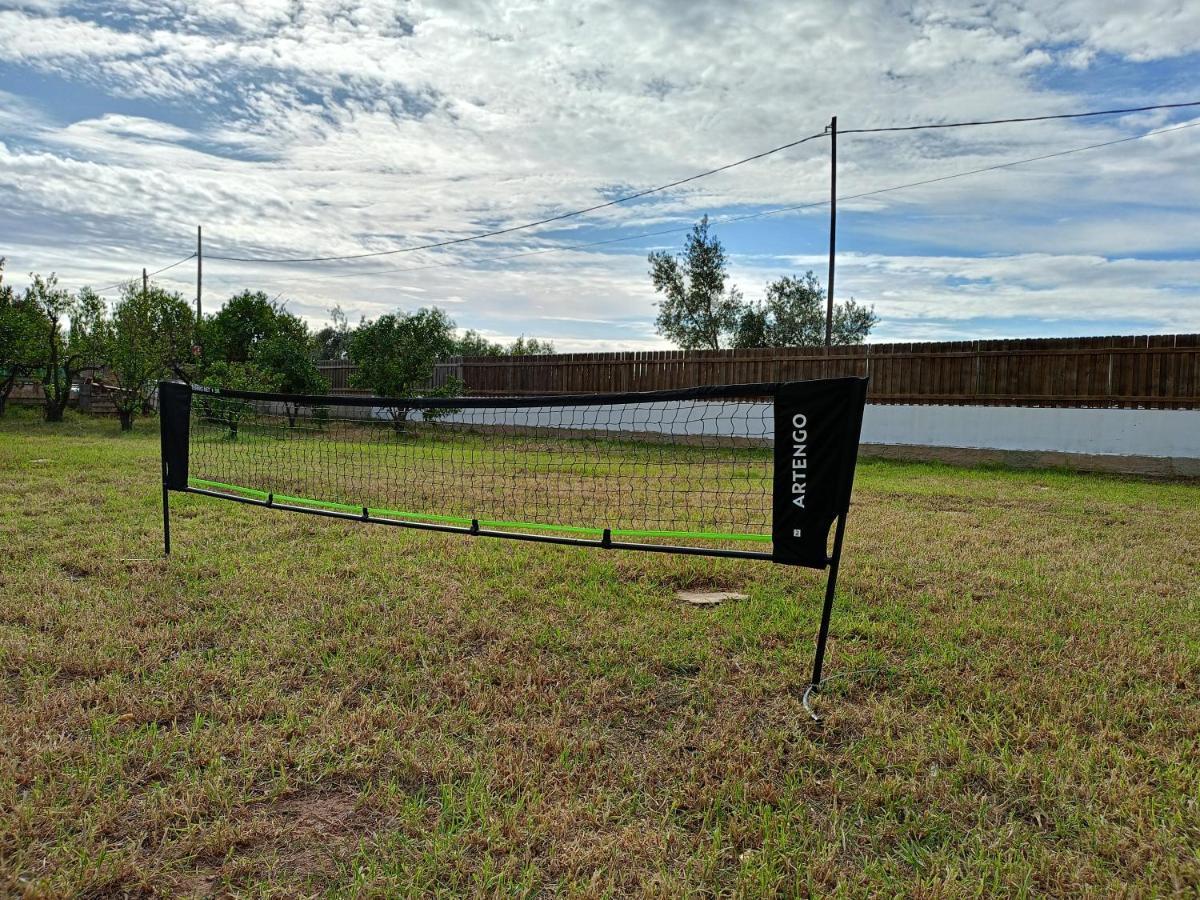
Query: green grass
{"type": "Point", "coordinates": [293, 705]}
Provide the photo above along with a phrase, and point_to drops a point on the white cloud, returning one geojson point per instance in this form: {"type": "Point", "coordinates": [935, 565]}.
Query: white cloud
{"type": "Point", "coordinates": [324, 128]}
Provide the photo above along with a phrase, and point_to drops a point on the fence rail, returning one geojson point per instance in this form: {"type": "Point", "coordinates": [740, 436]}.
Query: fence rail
{"type": "Point", "coordinates": [1147, 371]}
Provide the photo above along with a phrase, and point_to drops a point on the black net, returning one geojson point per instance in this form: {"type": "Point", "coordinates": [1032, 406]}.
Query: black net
{"type": "Point", "coordinates": [687, 469]}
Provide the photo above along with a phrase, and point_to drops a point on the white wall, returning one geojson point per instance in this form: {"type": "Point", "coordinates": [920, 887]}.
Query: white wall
{"type": "Point", "coordinates": [1116, 432]}
{"type": "Point", "coordinates": [1163, 433]}
{"type": "Point", "coordinates": [717, 418]}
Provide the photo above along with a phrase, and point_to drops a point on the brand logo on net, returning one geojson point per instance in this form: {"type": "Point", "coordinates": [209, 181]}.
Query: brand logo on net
{"type": "Point", "coordinates": [799, 459]}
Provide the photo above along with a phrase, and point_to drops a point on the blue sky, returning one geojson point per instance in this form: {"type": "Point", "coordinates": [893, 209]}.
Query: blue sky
{"type": "Point", "coordinates": [295, 128]}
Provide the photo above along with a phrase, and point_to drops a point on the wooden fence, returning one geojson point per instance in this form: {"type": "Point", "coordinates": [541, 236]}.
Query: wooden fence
{"type": "Point", "coordinates": [1147, 371]}
{"type": "Point", "coordinates": [338, 374]}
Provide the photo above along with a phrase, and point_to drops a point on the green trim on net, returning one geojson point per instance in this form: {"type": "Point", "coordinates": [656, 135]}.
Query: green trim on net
{"type": "Point", "coordinates": [483, 523]}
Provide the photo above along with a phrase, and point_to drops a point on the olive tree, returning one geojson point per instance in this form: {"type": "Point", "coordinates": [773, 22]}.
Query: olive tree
{"type": "Point", "coordinates": [256, 344]}
{"type": "Point", "coordinates": [396, 354]}
{"type": "Point", "coordinates": [66, 353]}
{"type": "Point", "coordinates": [21, 344]}
{"type": "Point", "coordinates": [699, 309]}
{"type": "Point", "coordinates": [151, 335]}
{"type": "Point", "coordinates": [792, 314]}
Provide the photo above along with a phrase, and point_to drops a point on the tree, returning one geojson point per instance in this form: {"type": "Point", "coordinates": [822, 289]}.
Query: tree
{"type": "Point", "coordinates": [255, 341]}
{"type": "Point", "coordinates": [472, 343]}
{"type": "Point", "coordinates": [852, 322]}
{"type": "Point", "coordinates": [792, 314]}
{"type": "Point", "coordinates": [244, 321]}
{"type": "Point", "coordinates": [287, 356]}
{"type": "Point", "coordinates": [66, 356]}
{"type": "Point", "coordinates": [151, 335]}
{"type": "Point", "coordinates": [229, 411]}
{"type": "Point", "coordinates": [524, 346]}
{"type": "Point", "coordinates": [21, 329]}
{"type": "Point", "coordinates": [396, 353]}
{"type": "Point", "coordinates": [697, 311]}
{"type": "Point", "coordinates": [333, 341]}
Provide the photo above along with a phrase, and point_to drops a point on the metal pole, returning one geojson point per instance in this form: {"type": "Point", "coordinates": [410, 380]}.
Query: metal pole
{"type": "Point", "coordinates": [145, 283]}
{"type": "Point", "coordinates": [166, 514]}
{"type": "Point", "coordinates": [832, 229]}
{"type": "Point", "coordinates": [199, 269]}
{"type": "Point", "coordinates": [827, 610]}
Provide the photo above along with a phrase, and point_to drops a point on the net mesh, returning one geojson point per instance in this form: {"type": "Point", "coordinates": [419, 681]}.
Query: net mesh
{"type": "Point", "coordinates": [684, 469]}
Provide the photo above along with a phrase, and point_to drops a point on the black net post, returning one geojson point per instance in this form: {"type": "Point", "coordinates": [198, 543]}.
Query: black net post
{"type": "Point", "coordinates": [827, 609]}
{"type": "Point", "coordinates": [174, 422]}
{"type": "Point", "coordinates": [817, 429]}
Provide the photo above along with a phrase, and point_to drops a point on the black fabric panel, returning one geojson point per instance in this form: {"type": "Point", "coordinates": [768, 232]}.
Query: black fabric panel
{"type": "Point", "coordinates": [817, 427]}
{"type": "Point", "coordinates": [748, 392]}
{"type": "Point", "coordinates": [174, 419]}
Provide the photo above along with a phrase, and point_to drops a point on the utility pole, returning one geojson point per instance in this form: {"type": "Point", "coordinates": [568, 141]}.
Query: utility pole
{"type": "Point", "coordinates": [199, 269]}
{"type": "Point", "coordinates": [832, 129]}
{"type": "Point", "coordinates": [145, 282]}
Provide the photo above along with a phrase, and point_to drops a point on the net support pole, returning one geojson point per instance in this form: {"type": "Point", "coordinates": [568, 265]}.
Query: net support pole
{"type": "Point", "coordinates": [826, 614]}
{"type": "Point", "coordinates": [166, 500]}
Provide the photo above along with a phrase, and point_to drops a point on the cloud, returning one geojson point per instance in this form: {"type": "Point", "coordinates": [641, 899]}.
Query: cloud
{"type": "Point", "coordinates": [326, 128]}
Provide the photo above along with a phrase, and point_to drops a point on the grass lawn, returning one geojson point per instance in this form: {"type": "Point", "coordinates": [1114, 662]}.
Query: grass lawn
{"type": "Point", "coordinates": [293, 705]}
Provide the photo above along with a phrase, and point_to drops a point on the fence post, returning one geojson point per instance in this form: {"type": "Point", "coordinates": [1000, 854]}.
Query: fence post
{"type": "Point", "coordinates": [1108, 392]}
{"type": "Point", "coordinates": [978, 370]}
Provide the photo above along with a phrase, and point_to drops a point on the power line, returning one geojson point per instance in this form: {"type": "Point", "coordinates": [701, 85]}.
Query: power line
{"type": "Point", "coordinates": [117, 284]}
{"type": "Point", "coordinates": [992, 168]}
{"type": "Point", "coordinates": [512, 228]}
{"type": "Point", "coordinates": [1079, 115]}
{"type": "Point", "coordinates": [776, 211]}
{"type": "Point", "coordinates": [691, 178]}
{"type": "Point", "coordinates": [634, 196]}
{"type": "Point", "coordinates": [504, 256]}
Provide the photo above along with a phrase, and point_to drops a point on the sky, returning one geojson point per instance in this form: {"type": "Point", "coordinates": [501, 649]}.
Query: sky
{"type": "Point", "coordinates": [306, 129]}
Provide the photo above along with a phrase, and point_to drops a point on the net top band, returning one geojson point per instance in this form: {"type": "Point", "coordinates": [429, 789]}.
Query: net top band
{"type": "Point", "coordinates": [765, 390]}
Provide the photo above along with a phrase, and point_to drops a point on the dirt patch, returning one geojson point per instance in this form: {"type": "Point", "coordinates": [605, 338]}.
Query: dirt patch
{"type": "Point", "coordinates": [197, 884]}
{"type": "Point", "coordinates": [77, 571]}
{"type": "Point", "coordinates": [320, 812]}
{"type": "Point", "coordinates": [295, 840]}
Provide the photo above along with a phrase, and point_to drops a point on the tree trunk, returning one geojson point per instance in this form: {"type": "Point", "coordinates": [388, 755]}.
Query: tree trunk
{"type": "Point", "coordinates": [5, 390]}
{"type": "Point", "coordinates": [399, 420]}
{"type": "Point", "coordinates": [126, 417]}
{"type": "Point", "coordinates": [53, 410]}
{"type": "Point", "coordinates": [56, 399]}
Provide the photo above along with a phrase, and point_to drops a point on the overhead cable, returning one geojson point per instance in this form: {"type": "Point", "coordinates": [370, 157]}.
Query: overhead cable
{"type": "Point", "coordinates": [775, 211]}
{"type": "Point", "coordinates": [117, 284]}
{"type": "Point", "coordinates": [499, 231]}
{"type": "Point", "coordinates": [1079, 115]}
